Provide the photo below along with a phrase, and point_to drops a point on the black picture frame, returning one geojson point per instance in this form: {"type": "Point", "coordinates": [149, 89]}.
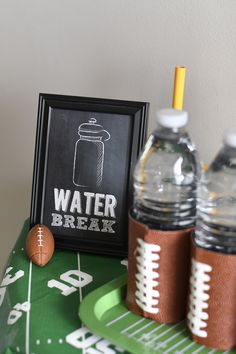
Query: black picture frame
{"type": "Point", "coordinates": [86, 205]}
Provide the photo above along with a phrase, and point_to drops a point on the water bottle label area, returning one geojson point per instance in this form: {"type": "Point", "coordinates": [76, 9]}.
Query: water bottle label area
{"type": "Point", "coordinates": [212, 305]}
{"type": "Point", "coordinates": [152, 278]}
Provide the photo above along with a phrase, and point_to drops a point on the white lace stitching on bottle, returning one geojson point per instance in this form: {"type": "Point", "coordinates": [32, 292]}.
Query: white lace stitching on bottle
{"type": "Point", "coordinates": [198, 301]}
{"type": "Point", "coordinates": [147, 275]}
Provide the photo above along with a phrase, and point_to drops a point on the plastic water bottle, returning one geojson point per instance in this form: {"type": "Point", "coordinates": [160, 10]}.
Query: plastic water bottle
{"type": "Point", "coordinates": [216, 214]}
{"type": "Point", "coordinates": [165, 177]}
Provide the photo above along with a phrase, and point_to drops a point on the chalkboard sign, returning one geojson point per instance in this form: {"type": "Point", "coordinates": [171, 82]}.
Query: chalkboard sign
{"type": "Point", "coordinates": [86, 150]}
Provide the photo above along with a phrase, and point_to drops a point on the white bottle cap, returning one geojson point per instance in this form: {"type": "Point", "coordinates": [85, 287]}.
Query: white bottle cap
{"type": "Point", "coordinates": [172, 118]}
{"type": "Point", "coordinates": [230, 139]}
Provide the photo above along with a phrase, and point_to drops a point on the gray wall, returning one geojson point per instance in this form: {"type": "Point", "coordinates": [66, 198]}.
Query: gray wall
{"type": "Point", "coordinates": [124, 49]}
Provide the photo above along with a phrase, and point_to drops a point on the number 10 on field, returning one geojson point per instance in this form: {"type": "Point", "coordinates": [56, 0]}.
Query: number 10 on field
{"type": "Point", "coordinates": [70, 281]}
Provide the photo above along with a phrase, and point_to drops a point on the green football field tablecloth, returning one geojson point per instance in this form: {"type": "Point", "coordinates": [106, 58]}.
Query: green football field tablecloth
{"type": "Point", "coordinates": [39, 306]}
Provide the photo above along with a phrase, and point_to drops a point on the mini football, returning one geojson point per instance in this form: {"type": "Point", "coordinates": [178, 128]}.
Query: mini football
{"type": "Point", "coordinates": [40, 245]}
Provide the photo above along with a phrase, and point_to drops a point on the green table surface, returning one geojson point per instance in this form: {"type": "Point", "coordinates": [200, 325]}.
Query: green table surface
{"type": "Point", "coordinates": [39, 306]}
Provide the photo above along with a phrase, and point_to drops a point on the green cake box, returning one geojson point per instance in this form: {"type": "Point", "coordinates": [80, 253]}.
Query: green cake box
{"type": "Point", "coordinates": [39, 306]}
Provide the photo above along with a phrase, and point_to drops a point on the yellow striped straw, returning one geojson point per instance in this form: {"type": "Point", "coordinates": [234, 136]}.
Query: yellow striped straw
{"type": "Point", "coordinates": [178, 95]}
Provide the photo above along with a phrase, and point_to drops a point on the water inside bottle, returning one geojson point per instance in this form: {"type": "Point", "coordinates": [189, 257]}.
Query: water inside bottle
{"type": "Point", "coordinates": [165, 181]}
{"type": "Point", "coordinates": [216, 224]}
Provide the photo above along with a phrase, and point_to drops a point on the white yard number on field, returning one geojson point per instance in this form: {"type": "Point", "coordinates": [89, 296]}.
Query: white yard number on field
{"type": "Point", "coordinates": [7, 280]}
{"type": "Point", "coordinates": [82, 280]}
{"type": "Point", "coordinates": [17, 312]}
{"type": "Point", "coordinates": [82, 338]}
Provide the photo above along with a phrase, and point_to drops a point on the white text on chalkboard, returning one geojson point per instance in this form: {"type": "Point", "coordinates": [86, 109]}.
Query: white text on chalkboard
{"type": "Point", "coordinates": [84, 203]}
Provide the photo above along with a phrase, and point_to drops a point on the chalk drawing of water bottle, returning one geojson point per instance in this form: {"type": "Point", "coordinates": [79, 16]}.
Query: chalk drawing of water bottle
{"type": "Point", "coordinates": [89, 154]}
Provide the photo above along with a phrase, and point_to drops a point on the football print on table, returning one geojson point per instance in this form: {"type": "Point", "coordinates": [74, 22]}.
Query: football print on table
{"type": "Point", "coordinates": [40, 245]}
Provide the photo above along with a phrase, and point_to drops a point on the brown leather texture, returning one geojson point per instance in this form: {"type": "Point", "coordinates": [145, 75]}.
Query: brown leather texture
{"type": "Point", "coordinates": [173, 271]}
{"type": "Point", "coordinates": [220, 325]}
{"type": "Point", "coordinates": [40, 245]}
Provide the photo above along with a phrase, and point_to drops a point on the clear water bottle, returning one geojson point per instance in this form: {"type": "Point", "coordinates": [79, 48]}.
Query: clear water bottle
{"type": "Point", "coordinates": [216, 210]}
{"type": "Point", "coordinates": [165, 177]}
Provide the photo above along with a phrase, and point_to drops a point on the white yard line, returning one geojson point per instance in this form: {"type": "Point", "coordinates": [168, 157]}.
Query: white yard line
{"type": "Point", "coordinates": [133, 325]}
{"type": "Point", "coordinates": [176, 345]}
{"type": "Point", "coordinates": [118, 318]}
{"type": "Point", "coordinates": [213, 351]}
{"type": "Point", "coordinates": [163, 333]}
{"type": "Point", "coordinates": [174, 336]}
{"type": "Point", "coordinates": [199, 349]}
{"type": "Point", "coordinates": [188, 346]}
{"type": "Point", "coordinates": [140, 329]}
{"type": "Point", "coordinates": [27, 334]}
{"type": "Point", "coordinates": [80, 288]}
{"type": "Point", "coordinates": [146, 335]}
{"type": "Point", "coordinates": [80, 299]}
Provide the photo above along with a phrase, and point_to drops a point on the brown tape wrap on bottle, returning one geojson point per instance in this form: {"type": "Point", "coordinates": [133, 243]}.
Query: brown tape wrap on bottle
{"type": "Point", "coordinates": [212, 322]}
{"type": "Point", "coordinates": [173, 271]}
